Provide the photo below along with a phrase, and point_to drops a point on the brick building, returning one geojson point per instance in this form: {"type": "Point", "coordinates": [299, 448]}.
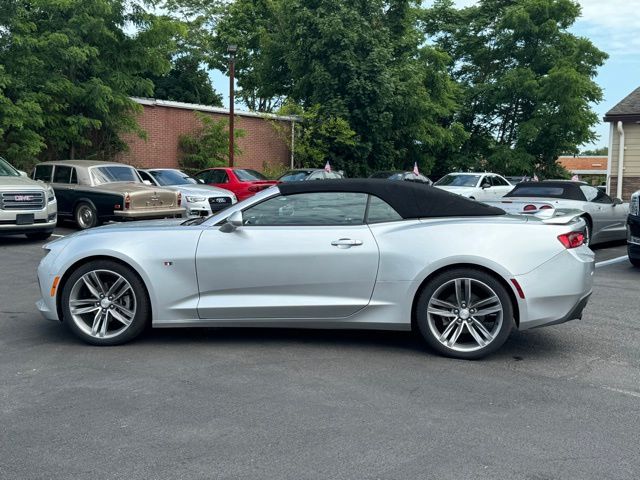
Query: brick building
{"type": "Point", "coordinates": [624, 146]}
{"type": "Point", "coordinates": [591, 169]}
{"type": "Point", "coordinates": [266, 140]}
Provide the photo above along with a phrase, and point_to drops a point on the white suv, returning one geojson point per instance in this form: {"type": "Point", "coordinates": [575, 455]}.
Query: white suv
{"type": "Point", "coordinates": [485, 187]}
{"type": "Point", "coordinates": [26, 206]}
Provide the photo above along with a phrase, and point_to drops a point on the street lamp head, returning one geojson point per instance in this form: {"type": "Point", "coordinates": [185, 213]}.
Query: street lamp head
{"type": "Point", "coordinates": [232, 49]}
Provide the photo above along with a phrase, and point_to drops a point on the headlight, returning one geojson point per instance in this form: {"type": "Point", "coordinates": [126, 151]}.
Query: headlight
{"type": "Point", "coordinates": [195, 199]}
{"type": "Point", "coordinates": [634, 205]}
{"type": "Point", "coordinates": [51, 196]}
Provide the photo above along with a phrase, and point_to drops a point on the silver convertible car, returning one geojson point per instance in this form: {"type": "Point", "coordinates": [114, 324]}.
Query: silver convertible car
{"type": "Point", "coordinates": [605, 217]}
{"type": "Point", "coordinates": [368, 254]}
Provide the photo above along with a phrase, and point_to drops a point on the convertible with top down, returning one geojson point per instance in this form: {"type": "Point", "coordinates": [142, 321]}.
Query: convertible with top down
{"type": "Point", "coordinates": [369, 254]}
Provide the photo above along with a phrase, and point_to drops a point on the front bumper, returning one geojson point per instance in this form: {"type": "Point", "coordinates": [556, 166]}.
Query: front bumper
{"type": "Point", "coordinates": [43, 220]}
{"type": "Point", "coordinates": [558, 290]}
{"type": "Point", "coordinates": [149, 214]}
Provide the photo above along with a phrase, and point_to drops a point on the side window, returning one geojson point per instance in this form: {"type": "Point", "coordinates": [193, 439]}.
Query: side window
{"type": "Point", "coordinates": [602, 197]}
{"type": "Point", "coordinates": [320, 208]}
{"type": "Point", "coordinates": [319, 175]}
{"type": "Point", "coordinates": [380, 211]}
{"type": "Point", "coordinates": [62, 174]}
{"type": "Point", "coordinates": [204, 176]}
{"type": "Point", "coordinates": [74, 177]}
{"type": "Point", "coordinates": [499, 181]}
{"type": "Point", "coordinates": [218, 176]}
{"type": "Point", "coordinates": [146, 176]}
{"type": "Point", "coordinates": [43, 172]}
{"type": "Point", "coordinates": [590, 193]}
{"type": "Point", "coordinates": [486, 180]}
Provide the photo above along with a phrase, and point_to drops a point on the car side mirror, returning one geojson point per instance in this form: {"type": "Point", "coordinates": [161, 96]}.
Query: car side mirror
{"type": "Point", "coordinates": [234, 221]}
{"type": "Point", "coordinates": [617, 201]}
{"type": "Point", "coordinates": [486, 185]}
{"type": "Point", "coordinates": [147, 182]}
{"type": "Point", "coordinates": [200, 180]}
{"type": "Point", "coordinates": [23, 174]}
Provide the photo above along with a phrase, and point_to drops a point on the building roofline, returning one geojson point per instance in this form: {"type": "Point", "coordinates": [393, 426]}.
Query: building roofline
{"type": "Point", "coordinates": [154, 102]}
{"type": "Point", "coordinates": [635, 118]}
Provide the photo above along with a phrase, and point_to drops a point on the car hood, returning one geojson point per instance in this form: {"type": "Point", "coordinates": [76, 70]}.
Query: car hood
{"type": "Point", "coordinates": [21, 182]}
{"type": "Point", "coordinates": [458, 190]}
{"type": "Point", "coordinates": [200, 190]}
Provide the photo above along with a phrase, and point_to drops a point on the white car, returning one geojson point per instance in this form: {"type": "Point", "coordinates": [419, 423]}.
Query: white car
{"type": "Point", "coordinates": [199, 200]}
{"type": "Point", "coordinates": [485, 187]}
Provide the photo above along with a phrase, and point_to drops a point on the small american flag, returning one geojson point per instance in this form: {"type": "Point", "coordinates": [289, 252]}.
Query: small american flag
{"type": "Point", "coordinates": [415, 169]}
{"type": "Point", "coordinates": [327, 167]}
{"type": "Point", "coordinates": [575, 178]}
{"type": "Point", "coordinates": [535, 178]}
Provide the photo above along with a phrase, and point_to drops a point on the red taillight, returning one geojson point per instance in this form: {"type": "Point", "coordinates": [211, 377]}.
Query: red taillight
{"type": "Point", "coordinates": [117, 206]}
{"type": "Point", "coordinates": [571, 239]}
{"type": "Point", "coordinates": [545, 207]}
{"type": "Point", "coordinates": [127, 201]}
{"type": "Point", "coordinates": [254, 188]}
{"type": "Point", "coordinates": [529, 208]}
{"type": "Point", "coordinates": [179, 198]}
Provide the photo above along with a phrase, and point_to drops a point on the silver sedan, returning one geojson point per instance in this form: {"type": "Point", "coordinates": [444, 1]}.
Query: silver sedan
{"type": "Point", "coordinates": [350, 254]}
{"type": "Point", "coordinates": [605, 217]}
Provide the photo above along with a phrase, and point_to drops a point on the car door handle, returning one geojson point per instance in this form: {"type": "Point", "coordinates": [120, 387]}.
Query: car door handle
{"type": "Point", "coordinates": [346, 243]}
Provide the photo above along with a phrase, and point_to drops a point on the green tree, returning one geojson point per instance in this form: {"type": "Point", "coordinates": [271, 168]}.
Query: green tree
{"type": "Point", "coordinates": [68, 69]}
{"type": "Point", "coordinates": [186, 82]}
{"type": "Point", "coordinates": [209, 147]}
{"type": "Point", "coordinates": [596, 151]}
{"type": "Point", "coordinates": [527, 81]}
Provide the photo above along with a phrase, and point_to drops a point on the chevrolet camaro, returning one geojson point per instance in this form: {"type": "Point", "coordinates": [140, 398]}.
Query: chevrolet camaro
{"type": "Point", "coordinates": [367, 254]}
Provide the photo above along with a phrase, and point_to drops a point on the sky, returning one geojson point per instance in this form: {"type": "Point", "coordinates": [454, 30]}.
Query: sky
{"type": "Point", "coordinates": [612, 25]}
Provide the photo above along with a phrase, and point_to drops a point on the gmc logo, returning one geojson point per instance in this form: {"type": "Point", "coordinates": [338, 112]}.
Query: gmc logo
{"type": "Point", "coordinates": [23, 198]}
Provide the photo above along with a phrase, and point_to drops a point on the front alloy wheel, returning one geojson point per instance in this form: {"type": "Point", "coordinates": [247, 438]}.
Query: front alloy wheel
{"type": "Point", "coordinates": [465, 313]}
{"type": "Point", "coordinates": [105, 303]}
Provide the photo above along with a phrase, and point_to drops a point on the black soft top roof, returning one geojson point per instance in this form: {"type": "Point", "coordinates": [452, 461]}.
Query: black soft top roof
{"type": "Point", "coordinates": [409, 199]}
{"type": "Point", "coordinates": [549, 189]}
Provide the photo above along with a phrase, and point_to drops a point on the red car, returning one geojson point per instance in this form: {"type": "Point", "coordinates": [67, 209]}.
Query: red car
{"type": "Point", "coordinates": [242, 182]}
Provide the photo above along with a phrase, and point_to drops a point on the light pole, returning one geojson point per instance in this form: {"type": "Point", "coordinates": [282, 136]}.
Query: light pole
{"type": "Point", "coordinates": [231, 49]}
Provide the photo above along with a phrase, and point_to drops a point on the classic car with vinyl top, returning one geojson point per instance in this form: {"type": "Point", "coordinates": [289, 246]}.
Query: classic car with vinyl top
{"type": "Point", "coordinates": [92, 192]}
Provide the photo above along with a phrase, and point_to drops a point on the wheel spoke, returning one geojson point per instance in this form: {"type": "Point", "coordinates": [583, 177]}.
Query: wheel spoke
{"type": "Point", "coordinates": [467, 287]}
{"type": "Point", "coordinates": [463, 291]}
{"type": "Point", "coordinates": [119, 288]}
{"type": "Point", "coordinates": [436, 302]}
{"type": "Point", "coordinates": [447, 332]}
{"type": "Point", "coordinates": [126, 321]}
{"type": "Point", "coordinates": [483, 330]}
{"type": "Point", "coordinates": [96, 323]}
{"type": "Point", "coordinates": [454, 338]}
{"type": "Point", "coordinates": [442, 313]}
{"type": "Point", "coordinates": [487, 301]}
{"type": "Point", "coordinates": [83, 310]}
{"type": "Point", "coordinates": [476, 336]}
{"type": "Point", "coordinates": [105, 323]}
{"type": "Point", "coordinates": [489, 310]}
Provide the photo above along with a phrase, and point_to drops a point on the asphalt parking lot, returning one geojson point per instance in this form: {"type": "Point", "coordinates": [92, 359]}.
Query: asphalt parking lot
{"type": "Point", "coordinates": [559, 402]}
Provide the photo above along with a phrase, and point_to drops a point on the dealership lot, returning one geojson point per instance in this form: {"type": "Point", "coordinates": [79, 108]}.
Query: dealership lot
{"type": "Point", "coordinates": [559, 402]}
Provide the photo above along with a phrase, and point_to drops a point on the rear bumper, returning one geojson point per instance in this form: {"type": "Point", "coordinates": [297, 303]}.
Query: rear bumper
{"type": "Point", "coordinates": [148, 214]}
{"type": "Point", "coordinates": [558, 290]}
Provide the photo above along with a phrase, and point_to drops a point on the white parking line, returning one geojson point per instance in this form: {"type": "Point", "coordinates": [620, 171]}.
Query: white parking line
{"type": "Point", "coordinates": [612, 261]}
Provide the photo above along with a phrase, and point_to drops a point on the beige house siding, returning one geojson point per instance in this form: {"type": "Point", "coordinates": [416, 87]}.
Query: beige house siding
{"type": "Point", "coordinates": [631, 172]}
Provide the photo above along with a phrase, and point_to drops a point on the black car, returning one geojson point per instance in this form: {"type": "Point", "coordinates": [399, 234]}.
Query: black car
{"type": "Point", "coordinates": [402, 175]}
{"type": "Point", "coordinates": [633, 229]}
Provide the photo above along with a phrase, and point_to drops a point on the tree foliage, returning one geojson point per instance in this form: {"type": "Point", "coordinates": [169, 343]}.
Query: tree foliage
{"type": "Point", "coordinates": [527, 81]}
{"type": "Point", "coordinates": [68, 68]}
{"type": "Point", "coordinates": [209, 147]}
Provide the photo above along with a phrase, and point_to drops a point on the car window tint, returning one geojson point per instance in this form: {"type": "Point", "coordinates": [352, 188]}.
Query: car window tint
{"type": "Point", "coordinates": [43, 172]}
{"type": "Point", "coordinates": [319, 208]}
{"type": "Point", "coordinates": [114, 173]}
{"type": "Point", "coordinates": [245, 175]}
{"type": "Point", "coordinates": [74, 176]}
{"type": "Point", "coordinates": [61, 174]}
{"type": "Point", "coordinates": [380, 211]}
{"type": "Point", "coordinates": [499, 181]}
{"type": "Point", "coordinates": [602, 197]}
{"type": "Point", "coordinates": [218, 176]}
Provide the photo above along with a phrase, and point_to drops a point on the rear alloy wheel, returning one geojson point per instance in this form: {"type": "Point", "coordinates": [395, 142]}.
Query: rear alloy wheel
{"type": "Point", "coordinates": [587, 232]}
{"type": "Point", "coordinates": [465, 313]}
{"type": "Point", "coordinates": [86, 216]}
{"type": "Point", "coordinates": [105, 303]}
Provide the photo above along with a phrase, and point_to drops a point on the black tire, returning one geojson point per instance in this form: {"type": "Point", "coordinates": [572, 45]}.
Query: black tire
{"type": "Point", "coordinates": [85, 216]}
{"type": "Point", "coordinates": [587, 233]}
{"type": "Point", "coordinates": [485, 284]}
{"type": "Point", "coordinates": [635, 261]}
{"type": "Point", "coordinates": [39, 235]}
{"type": "Point", "coordinates": [138, 293]}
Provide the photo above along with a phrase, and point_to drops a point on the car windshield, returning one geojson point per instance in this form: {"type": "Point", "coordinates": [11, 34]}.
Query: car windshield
{"type": "Point", "coordinates": [171, 177]}
{"type": "Point", "coordinates": [249, 175]}
{"type": "Point", "coordinates": [6, 170]}
{"type": "Point", "coordinates": [114, 173]}
{"type": "Point", "coordinates": [294, 176]}
{"type": "Point", "coordinates": [458, 180]}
